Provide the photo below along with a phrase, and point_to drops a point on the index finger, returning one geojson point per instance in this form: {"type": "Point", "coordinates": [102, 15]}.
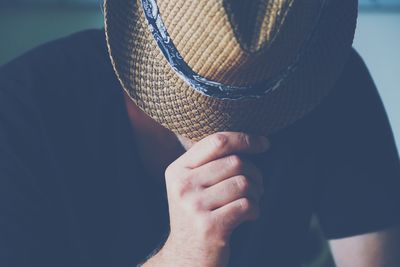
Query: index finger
{"type": "Point", "coordinates": [220, 145]}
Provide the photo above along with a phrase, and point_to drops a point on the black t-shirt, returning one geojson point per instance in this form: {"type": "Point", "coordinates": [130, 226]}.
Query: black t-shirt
{"type": "Point", "coordinates": [73, 193]}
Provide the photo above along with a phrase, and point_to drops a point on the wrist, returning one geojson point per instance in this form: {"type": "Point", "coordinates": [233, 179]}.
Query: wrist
{"type": "Point", "coordinates": [204, 254]}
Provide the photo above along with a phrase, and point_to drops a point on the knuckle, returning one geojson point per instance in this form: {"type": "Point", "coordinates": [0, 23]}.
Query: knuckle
{"type": "Point", "coordinates": [222, 225]}
{"type": "Point", "coordinates": [242, 183]}
{"type": "Point", "coordinates": [219, 140]}
{"type": "Point", "coordinates": [171, 180]}
{"type": "Point", "coordinates": [174, 172]}
{"type": "Point", "coordinates": [235, 162]}
{"type": "Point", "coordinates": [245, 204]}
{"type": "Point", "coordinates": [225, 223]}
{"type": "Point", "coordinates": [185, 186]}
{"type": "Point", "coordinates": [168, 172]}
{"type": "Point", "coordinates": [244, 139]}
{"type": "Point", "coordinates": [197, 204]}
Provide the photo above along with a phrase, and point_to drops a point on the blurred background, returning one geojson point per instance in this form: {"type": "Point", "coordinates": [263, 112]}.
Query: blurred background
{"type": "Point", "coordinates": [27, 23]}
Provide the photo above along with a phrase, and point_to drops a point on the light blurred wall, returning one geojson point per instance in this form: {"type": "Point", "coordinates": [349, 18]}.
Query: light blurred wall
{"type": "Point", "coordinates": [28, 23]}
{"type": "Point", "coordinates": [23, 26]}
{"type": "Point", "coordinates": [378, 41]}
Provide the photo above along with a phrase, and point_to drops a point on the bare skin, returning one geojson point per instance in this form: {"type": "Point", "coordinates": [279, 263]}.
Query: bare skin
{"type": "Point", "coordinates": [199, 236]}
{"type": "Point", "coordinates": [211, 190]}
{"type": "Point", "coordinates": [158, 147]}
{"type": "Point", "coordinates": [377, 249]}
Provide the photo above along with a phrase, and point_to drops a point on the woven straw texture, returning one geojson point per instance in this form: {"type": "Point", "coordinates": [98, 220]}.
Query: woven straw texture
{"type": "Point", "coordinates": [236, 44]}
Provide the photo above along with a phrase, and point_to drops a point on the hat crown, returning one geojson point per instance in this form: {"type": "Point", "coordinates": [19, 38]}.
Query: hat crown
{"type": "Point", "coordinates": [239, 42]}
{"type": "Point", "coordinates": [203, 34]}
{"type": "Point", "coordinates": [256, 22]}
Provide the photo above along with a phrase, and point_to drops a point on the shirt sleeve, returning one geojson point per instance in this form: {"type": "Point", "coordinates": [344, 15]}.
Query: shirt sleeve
{"type": "Point", "coordinates": [360, 167]}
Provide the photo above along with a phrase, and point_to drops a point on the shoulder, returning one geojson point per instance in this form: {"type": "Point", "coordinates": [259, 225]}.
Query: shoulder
{"type": "Point", "coordinates": [59, 74]}
{"type": "Point", "coordinates": [77, 46]}
{"type": "Point", "coordinates": [357, 157]}
{"type": "Point", "coordinates": [352, 111]}
{"type": "Point", "coordinates": [353, 92]}
{"type": "Point", "coordinates": [59, 64]}
{"type": "Point", "coordinates": [56, 83]}
{"type": "Point", "coordinates": [351, 123]}
{"type": "Point", "coordinates": [348, 119]}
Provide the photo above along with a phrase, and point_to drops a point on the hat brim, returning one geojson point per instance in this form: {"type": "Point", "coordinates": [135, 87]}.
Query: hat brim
{"type": "Point", "coordinates": [151, 83]}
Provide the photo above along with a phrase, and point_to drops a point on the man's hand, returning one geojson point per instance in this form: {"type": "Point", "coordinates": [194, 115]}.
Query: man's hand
{"type": "Point", "coordinates": [211, 190]}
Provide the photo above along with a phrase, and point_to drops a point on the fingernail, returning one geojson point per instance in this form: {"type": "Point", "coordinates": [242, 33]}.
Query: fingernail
{"type": "Point", "coordinates": [264, 142]}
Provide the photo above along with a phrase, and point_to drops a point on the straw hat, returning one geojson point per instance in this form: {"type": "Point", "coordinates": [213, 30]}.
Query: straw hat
{"type": "Point", "coordinates": [204, 66]}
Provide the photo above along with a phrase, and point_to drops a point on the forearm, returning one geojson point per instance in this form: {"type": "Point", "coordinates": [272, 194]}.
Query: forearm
{"type": "Point", "coordinates": [153, 259]}
{"type": "Point", "coordinates": [378, 249]}
{"type": "Point", "coordinates": [171, 255]}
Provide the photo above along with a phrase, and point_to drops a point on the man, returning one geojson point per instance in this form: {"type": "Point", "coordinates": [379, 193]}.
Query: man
{"type": "Point", "coordinates": [176, 170]}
